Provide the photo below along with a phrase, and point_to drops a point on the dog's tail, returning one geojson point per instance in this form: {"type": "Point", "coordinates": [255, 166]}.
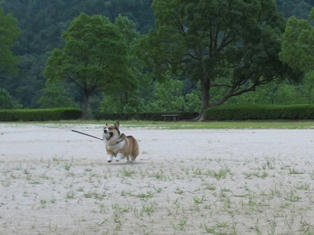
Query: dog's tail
{"type": "Point", "coordinates": [135, 148]}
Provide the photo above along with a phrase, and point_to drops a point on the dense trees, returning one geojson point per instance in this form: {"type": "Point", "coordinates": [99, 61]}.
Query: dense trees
{"type": "Point", "coordinates": [230, 45]}
{"type": "Point", "coordinates": [42, 22]}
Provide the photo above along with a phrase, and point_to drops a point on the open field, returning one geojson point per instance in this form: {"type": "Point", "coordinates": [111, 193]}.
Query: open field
{"type": "Point", "coordinates": [214, 181]}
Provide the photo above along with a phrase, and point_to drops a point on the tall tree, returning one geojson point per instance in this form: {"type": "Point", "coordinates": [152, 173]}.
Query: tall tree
{"type": "Point", "coordinates": [94, 57]}
{"type": "Point", "coordinates": [232, 45]}
{"type": "Point", "coordinates": [298, 44]}
{"type": "Point", "coordinates": [9, 32]}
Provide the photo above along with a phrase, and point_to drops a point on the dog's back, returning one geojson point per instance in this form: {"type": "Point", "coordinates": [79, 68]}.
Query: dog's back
{"type": "Point", "coordinates": [133, 147]}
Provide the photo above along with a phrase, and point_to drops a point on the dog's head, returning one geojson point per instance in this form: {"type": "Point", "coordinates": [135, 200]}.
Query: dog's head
{"type": "Point", "coordinates": [111, 131]}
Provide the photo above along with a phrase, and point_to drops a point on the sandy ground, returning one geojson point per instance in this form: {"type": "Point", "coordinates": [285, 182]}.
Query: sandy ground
{"type": "Point", "coordinates": [54, 181]}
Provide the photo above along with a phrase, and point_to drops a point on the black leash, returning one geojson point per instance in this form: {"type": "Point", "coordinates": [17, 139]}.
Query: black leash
{"type": "Point", "coordinates": [87, 134]}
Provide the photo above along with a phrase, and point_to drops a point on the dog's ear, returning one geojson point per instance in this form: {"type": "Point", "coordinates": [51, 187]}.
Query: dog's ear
{"type": "Point", "coordinates": [117, 124]}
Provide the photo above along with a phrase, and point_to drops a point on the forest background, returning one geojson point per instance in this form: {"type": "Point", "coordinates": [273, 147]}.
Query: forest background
{"type": "Point", "coordinates": [41, 24]}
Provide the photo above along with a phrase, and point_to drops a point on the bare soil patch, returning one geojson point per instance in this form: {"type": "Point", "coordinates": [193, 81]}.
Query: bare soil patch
{"type": "Point", "coordinates": [54, 181]}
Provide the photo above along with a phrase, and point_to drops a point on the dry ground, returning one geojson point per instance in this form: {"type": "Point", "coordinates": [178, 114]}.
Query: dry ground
{"type": "Point", "coordinates": [54, 181]}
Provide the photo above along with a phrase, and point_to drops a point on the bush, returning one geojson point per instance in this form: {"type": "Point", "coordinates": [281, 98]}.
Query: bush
{"type": "Point", "coordinates": [260, 112]}
{"type": "Point", "coordinates": [39, 114]}
{"type": "Point", "coordinates": [142, 116]}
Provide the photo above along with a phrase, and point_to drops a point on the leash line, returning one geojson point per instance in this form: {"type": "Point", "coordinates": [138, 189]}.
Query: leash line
{"type": "Point", "coordinates": [86, 134]}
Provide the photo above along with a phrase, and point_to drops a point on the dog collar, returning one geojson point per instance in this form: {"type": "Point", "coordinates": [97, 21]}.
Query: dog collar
{"type": "Point", "coordinates": [118, 141]}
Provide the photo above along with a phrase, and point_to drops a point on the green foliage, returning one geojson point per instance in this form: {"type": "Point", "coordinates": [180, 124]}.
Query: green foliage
{"type": "Point", "coordinates": [260, 112]}
{"type": "Point", "coordinates": [193, 101]}
{"type": "Point", "coordinates": [167, 97]}
{"type": "Point", "coordinates": [55, 96]}
{"type": "Point", "coordinates": [128, 96]}
{"type": "Point", "coordinates": [6, 100]}
{"type": "Point", "coordinates": [27, 84]}
{"type": "Point", "coordinates": [279, 93]}
{"type": "Point", "coordinates": [110, 104]}
{"type": "Point", "coordinates": [9, 32]}
{"type": "Point", "coordinates": [41, 26]}
{"type": "Point", "coordinates": [153, 116]}
{"type": "Point", "coordinates": [40, 114]}
{"type": "Point", "coordinates": [94, 57]}
{"type": "Point", "coordinates": [232, 46]}
{"type": "Point", "coordinates": [297, 46]}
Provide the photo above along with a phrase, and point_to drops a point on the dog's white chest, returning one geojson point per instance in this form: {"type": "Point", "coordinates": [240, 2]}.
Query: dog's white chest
{"type": "Point", "coordinates": [115, 147]}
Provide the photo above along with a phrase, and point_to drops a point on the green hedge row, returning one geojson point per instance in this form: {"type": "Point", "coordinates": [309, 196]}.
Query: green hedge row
{"type": "Point", "coordinates": [40, 114]}
{"type": "Point", "coordinates": [260, 112]}
{"type": "Point", "coordinates": [143, 116]}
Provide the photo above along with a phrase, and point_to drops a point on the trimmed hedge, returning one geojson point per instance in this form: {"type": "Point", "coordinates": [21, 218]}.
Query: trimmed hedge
{"type": "Point", "coordinates": [143, 116]}
{"type": "Point", "coordinates": [40, 114]}
{"type": "Point", "coordinates": [260, 112]}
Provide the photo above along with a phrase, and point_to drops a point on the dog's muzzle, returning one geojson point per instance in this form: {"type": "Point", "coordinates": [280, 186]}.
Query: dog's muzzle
{"type": "Point", "coordinates": [108, 135]}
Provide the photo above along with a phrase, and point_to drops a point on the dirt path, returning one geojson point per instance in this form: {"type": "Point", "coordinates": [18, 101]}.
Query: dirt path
{"type": "Point", "coordinates": [54, 181]}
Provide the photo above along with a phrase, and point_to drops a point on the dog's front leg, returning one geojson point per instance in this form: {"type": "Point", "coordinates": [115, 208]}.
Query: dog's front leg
{"type": "Point", "coordinates": [109, 158]}
{"type": "Point", "coordinates": [120, 156]}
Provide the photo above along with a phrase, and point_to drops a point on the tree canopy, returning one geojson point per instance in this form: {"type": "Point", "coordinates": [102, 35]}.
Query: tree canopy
{"type": "Point", "coordinates": [232, 45]}
{"type": "Point", "coordinates": [298, 43]}
{"type": "Point", "coordinates": [94, 57]}
{"type": "Point", "coordinates": [42, 22]}
{"type": "Point", "coordinates": [9, 33]}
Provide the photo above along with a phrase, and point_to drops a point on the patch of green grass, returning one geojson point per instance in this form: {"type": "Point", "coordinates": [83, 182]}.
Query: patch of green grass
{"type": "Point", "coordinates": [209, 229]}
{"type": "Point", "coordinates": [210, 187]}
{"type": "Point", "coordinates": [70, 195]}
{"type": "Point", "coordinates": [148, 209]}
{"type": "Point", "coordinates": [305, 187]}
{"type": "Point", "coordinates": [271, 124]}
{"type": "Point", "coordinates": [221, 174]}
{"type": "Point", "coordinates": [67, 166]}
{"type": "Point", "coordinates": [159, 175]}
{"type": "Point", "coordinates": [145, 196]}
{"type": "Point", "coordinates": [292, 197]}
{"type": "Point", "coordinates": [127, 173]}
{"type": "Point", "coordinates": [222, 225]}
{"type": "Point", "coordinates": [181, 225]}
{"type": "Point", "coordinates": [293, 171]}
{"type": "Point", "coordinates": [199, 200]}
{"type": "Point", "coordinates": [43, 203]}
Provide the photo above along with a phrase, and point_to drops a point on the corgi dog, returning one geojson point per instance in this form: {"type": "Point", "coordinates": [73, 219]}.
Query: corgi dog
{"type": "Point", "coordinates": [119, 145]}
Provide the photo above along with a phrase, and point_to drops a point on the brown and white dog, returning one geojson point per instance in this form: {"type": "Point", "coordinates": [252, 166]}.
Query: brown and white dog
{"type": "Point", "coordinates": [119, 145]}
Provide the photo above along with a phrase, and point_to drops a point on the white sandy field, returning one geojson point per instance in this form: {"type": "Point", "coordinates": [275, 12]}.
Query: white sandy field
{"type": "Point", "coordinates": [54, 181]}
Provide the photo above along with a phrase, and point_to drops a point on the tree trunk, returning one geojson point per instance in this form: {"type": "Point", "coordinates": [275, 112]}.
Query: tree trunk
{"type": "Point", "coordinates": [85, 106]}
{"type": "Point", "coordinates": [205, 98]}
